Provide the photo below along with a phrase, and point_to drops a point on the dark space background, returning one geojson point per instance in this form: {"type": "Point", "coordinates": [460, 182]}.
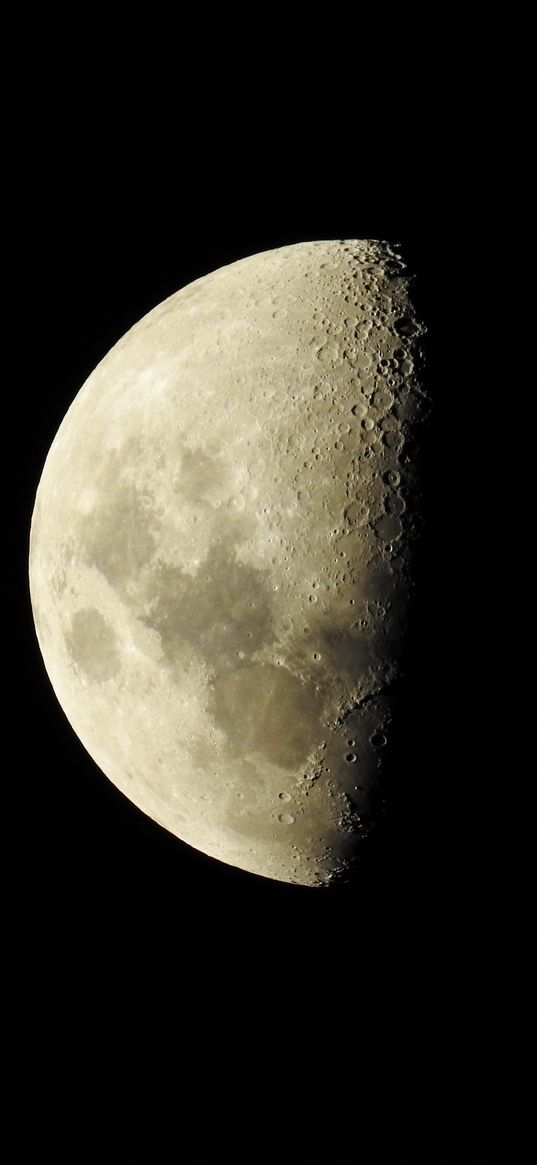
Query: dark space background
{"type": "Point", "coordinates": [397, 1002]}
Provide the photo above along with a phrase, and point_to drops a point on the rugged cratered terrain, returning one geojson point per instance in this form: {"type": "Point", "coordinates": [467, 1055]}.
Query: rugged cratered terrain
{"type": "Point", "coordinates": [220, 554]}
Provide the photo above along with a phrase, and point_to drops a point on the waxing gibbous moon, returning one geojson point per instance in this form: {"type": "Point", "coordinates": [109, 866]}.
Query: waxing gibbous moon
{"type": "Point", "coordinates": [220, 553]}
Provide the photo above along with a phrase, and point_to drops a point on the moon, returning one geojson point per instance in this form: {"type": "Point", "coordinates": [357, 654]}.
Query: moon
{"type": "Point", "coordinates": [221, 553]}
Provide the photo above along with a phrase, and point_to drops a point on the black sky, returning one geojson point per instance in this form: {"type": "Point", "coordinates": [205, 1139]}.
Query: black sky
{"type": "Point", "coordinates": [402, 984]}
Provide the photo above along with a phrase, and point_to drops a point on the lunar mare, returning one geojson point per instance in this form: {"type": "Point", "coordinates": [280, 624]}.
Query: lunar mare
{"type": "Point", "coordinates": [220, 553]}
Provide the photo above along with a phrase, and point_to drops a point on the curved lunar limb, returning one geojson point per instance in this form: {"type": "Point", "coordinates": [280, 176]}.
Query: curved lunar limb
{"type": "Point", "coordinates": [220, 554]}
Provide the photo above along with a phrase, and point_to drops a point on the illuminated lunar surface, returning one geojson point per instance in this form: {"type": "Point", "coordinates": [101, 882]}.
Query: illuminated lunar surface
{"type": "Point", "coordinates": [220, 554]}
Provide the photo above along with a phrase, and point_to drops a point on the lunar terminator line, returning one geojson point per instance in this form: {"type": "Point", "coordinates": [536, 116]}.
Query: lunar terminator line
{"type": "Point", "coordinates": [220, 554]}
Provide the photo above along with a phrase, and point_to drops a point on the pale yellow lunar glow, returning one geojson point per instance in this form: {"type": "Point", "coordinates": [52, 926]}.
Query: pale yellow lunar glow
{"type": "Point", "coordinates": [219, 557]}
